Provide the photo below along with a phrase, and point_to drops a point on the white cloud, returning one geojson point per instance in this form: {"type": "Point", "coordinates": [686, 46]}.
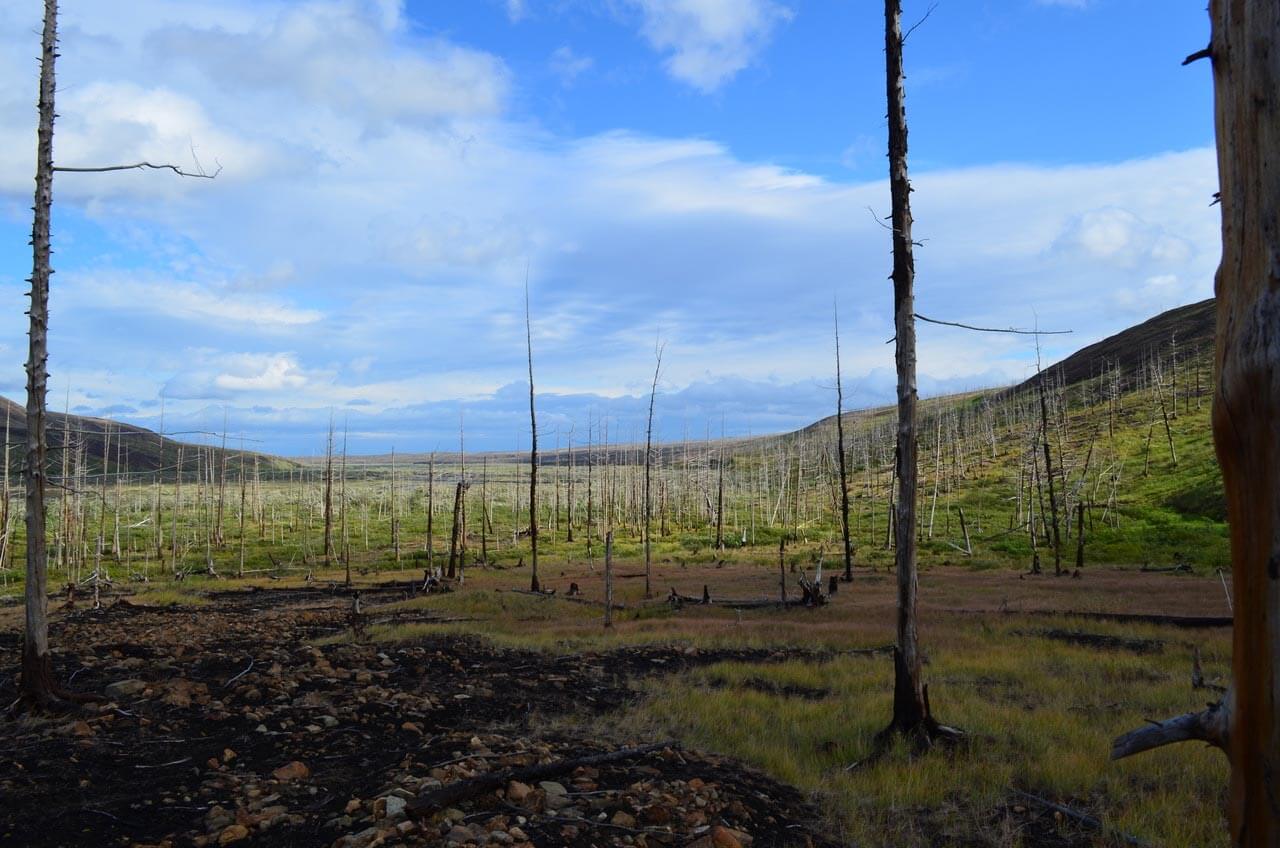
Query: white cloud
{"type": "Point", "coordinates": [708, 42]}
{"type": "Point", "coordinates": [517, 10]}
{"type": "Point", "coordinates": [187, 301]}
{"type": "Point", "coordinates": [335, 56]}
{"type": "Point", "coordinates": [262, 373]}
{"type": "Point", "coordinates": [376, 254]}
{"type": "Point", "coordinates": [567, 65]}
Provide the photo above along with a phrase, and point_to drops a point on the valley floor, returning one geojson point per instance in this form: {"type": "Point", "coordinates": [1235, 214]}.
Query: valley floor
{"type": "Point", "coordinates": [253, 713]}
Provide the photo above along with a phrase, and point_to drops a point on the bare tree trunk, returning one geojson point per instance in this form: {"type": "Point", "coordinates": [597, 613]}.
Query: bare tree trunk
{"type": "Point", "coordinates": [484, 509]}
{"type": "Point", "coordinates": [243, 500]}
{"type": "Point", "coordinates": [533, 450]}
{"type": "Point", "coordinates": [454, 544]}
{"type": "Point", "coordinates": [911, 713]}
{"type": "Point", "coordinates": [844, 474]}
{"type": "Point", "coordinates": [572, 468]}
{"type": "Point", "coordinates": [37, 686]}
{"type": "Point", "coordinates": [720, 499]}
{"type": "Point", "coordinates": [608, 579]}
{"type": "Point", "coordinates": [342, 500]}
{"type": "Point", "coordinates": [395, 511]}
{"type": "Point", "coordinates": [1048, 471]}
{"type": "Point", "coordinates": [648, 463]}
{"type": "Point", "coordinates": [328, 496]}
{"type": "Point", "coordinates": [431, 509]}
{"type": "Point", "coordinates": [1246, 407]}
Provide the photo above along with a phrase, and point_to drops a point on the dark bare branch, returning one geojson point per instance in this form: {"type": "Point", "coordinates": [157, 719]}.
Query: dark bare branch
{"type": "Point", "coordinates": [915, 25]}
{"type": "Point", "coordinates": [1206, 53]}
{"type": "Point", "coordinates": [200, 174]}
{"type": "Point", "coordinates": [1013, 330]}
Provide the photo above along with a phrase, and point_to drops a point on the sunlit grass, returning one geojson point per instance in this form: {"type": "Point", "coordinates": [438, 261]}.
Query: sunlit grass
{"type": "Point", "coordinates": [1040, 716]}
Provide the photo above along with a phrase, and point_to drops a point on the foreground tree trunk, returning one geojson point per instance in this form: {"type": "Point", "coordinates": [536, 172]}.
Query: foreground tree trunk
{"type": "Point", "coordinates": [1246, 414]}
{"type": "Point", "coordinates": [37, 687]}
{"type": "Point", "coordinates": [911, 713]}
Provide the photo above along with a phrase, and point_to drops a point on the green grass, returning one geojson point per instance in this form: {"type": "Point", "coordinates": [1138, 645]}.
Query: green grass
{"type": "Point", "coordinates": [1040, 715]}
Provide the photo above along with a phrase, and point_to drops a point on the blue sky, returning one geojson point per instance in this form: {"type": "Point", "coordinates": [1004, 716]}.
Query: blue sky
{"type": "Point", "coordinates": [700, 171]}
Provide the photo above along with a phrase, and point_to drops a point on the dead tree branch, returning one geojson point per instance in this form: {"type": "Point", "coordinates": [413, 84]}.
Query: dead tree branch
{"type": "Point", "coordinates": [198, 174]}
{"type": "Point", "coordinates": [1209, 725]}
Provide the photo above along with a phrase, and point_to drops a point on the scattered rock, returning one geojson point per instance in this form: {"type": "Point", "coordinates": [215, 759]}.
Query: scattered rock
{"type": "Point", "coordinates": [294, 770]}
{"type": "Point", "coordinates": [124, 688]}
{"type": "Point", "coordinates": [233, 833]}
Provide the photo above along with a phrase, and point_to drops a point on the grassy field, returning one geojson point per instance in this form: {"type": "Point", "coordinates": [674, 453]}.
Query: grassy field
{"type": "Point", "coordinates": [1040, 691]}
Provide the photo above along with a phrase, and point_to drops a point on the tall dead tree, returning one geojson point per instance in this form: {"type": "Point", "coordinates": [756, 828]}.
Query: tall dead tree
{"type": "Point", "coordinates": [1048, 464]}
{"type": "Point", "coordinates": [533, 448]}
{"type": "Point", "coordinates": [911, 712]}
{"type": "Point", "coordinates": [38, 686]}
{"type": "Point", "coordinates": [328, 496]}
{"type": "Point", "coordinates": [648, 464]}
{"type": "Point", "coordinates": [844, 473]}
{"type": "Point", "coordinates": [342, 500]}
{"type": "Point", "coordinates": [1246, 406]}
{"type": "Point", "coordinates": [431, 509]}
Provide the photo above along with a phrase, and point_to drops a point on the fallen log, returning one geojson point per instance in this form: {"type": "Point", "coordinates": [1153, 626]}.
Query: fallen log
{"type": "Point", "coordinates": [452, 794]}
{"type": "Point", "coordinates": [1077, 816]}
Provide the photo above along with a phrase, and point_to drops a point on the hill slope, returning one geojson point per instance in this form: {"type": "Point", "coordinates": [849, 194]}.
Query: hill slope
{"type": "Point", "coordinates": [132, 449]}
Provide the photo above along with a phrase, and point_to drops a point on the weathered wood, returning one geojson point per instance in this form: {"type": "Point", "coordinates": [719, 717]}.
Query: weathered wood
{"type": "Point", "coordinates": [1246, 404]}
{"type": "Point", "coordinates": [1246, 409]}
{"type": "Point", "coordinates": [37, 685]}
{"type": "Point", "coordinates": [1209, 725]}
{"type": "Point", "coordinates": [910, 712]}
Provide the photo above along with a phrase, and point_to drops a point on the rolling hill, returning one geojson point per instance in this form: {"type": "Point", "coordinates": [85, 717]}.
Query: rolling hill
{"type": "Point", "coordinates": [133, 449]}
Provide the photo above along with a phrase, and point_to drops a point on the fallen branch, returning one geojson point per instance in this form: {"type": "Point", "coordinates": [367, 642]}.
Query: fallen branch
{"type": "Point", "coordinates": [248, 668]}
{"type": "Point", "coordinates": [435, 800]}
{"type": "Point", "coordinates": [1209, 725]}
{"type": "Point", "coordinates": [1075, 815]}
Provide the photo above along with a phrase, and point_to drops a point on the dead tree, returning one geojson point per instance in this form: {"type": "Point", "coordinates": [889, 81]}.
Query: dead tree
{"type": "Point", "coordinates": [454, 536]}
{"type": "Point", "coordinates": [37, 687]}
{"type": "Point", "coordinates": [1246, 406]}
{"type": "Point", "coordinates": [431, 508]}
{"type": "Point", "coordinates": [533, 448]}
{"type": "Point", "coordinates": [648, 464]}
{"type": "Point", "coordinates": [328, 496]}
{"type": "Point", "coordinates": [342, 500]}
{"type": "Point", "coordinates": [1048, 466]}
{"type": "Point", "coordinates": [911, 712]}
{"type": "Point", "coordinates": [608, 579]}
{"type": "Point", "coordinates": [844, 474]}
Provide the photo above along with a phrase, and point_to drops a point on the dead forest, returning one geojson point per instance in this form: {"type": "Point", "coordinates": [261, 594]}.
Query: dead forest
{"type": "Point", "coordinates": [977, 618]}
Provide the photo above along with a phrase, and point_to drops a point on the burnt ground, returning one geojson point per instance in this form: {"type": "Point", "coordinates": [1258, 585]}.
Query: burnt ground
{"type": "Point", "coordinates": [228, 724]}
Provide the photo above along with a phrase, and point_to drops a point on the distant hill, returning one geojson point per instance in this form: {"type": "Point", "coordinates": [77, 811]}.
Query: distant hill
{"type": "Point", "coordinates": [133, 449]}
{"type": "Point", "coordinates": [1190, 327]}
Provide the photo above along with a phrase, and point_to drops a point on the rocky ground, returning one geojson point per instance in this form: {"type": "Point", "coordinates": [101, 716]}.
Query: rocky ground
{"type": "Point", "coordinates": [228, 724]}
